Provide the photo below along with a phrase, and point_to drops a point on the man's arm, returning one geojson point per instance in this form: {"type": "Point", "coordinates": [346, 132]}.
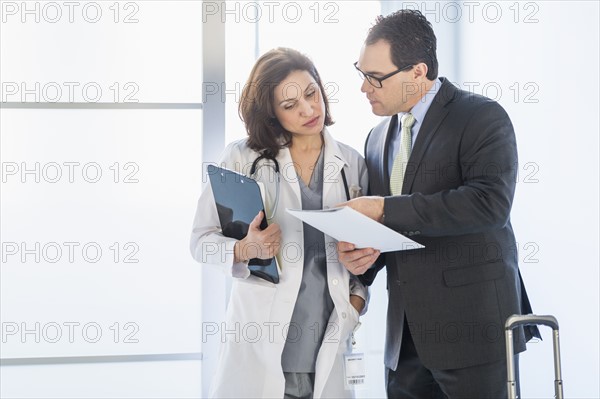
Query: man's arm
{"type": "Point", "coordinates": [483, 200]}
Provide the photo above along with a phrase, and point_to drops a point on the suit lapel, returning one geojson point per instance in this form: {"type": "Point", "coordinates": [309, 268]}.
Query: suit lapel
{"type": "Point", "coordinates": [433, 119]}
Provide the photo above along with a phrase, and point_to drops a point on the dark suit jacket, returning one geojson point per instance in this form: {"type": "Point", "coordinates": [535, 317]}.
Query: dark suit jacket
{"type": "Point", "coordinates": [456, 199]}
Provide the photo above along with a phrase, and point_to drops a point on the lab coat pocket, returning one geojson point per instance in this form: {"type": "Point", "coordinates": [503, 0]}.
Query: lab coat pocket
{"type": "Point", "coordinates": [251, 303]}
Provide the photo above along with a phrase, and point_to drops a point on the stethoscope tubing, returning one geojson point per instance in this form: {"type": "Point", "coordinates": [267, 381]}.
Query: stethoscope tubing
{"type": "Point", "coordinates": [265, 156]}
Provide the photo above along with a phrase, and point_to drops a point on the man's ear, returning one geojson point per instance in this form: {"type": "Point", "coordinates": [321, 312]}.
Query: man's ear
{"type": "Point", "coordinates": [420, 71]}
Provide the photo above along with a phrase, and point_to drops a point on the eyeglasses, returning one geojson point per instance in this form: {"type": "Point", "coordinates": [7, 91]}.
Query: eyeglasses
{"type": "Point", "coordinates": [378, 82]}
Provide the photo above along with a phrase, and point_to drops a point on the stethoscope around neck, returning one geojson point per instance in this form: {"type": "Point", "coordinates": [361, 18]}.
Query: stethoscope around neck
{"type": "Point", "coordinates": [275, 165]}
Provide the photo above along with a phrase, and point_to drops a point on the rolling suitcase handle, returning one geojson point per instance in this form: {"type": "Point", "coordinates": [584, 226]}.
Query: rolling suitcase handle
{"type": "Point", "coordinates": [524, 320]}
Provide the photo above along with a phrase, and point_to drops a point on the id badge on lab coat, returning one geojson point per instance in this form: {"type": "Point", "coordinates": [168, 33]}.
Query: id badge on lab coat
{"type": "Point", "coordinates": [355, 369]}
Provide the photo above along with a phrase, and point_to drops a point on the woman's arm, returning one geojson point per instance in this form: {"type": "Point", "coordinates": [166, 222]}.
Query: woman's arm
{"type": "Point", "coordinates": [359, 295]}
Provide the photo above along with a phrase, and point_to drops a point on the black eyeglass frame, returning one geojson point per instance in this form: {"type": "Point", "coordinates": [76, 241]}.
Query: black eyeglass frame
{"type": "Point", "coordinates": [380, 80]}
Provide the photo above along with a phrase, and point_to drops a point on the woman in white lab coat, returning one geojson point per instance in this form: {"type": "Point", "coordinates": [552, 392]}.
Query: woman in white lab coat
{"type": "Point", "coordinates": [288, 339]}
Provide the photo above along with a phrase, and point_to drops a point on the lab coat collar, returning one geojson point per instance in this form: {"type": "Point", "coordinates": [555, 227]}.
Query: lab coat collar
{"type": "Point", "coordinates": [333, 153]}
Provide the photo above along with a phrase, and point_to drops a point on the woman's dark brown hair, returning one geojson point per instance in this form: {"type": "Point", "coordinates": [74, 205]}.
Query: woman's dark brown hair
{"type": "Point", "coordinates": [265, 133]}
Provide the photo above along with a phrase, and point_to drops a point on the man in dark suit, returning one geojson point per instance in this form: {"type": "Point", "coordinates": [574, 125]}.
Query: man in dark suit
{"type": "Point", "coordinates": [442, 170]}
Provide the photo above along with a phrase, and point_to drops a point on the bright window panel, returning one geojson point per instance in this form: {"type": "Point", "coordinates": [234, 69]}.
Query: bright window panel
{"type": "Point", "coordinates": [172, 379]}
{"type": "Point", "coordinates": [97, 208]}
{"type": "Point", "coordinates": [111, 52]}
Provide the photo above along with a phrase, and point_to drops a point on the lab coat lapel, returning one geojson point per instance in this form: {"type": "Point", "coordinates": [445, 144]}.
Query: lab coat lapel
{"type": "Point", "coordinates": [334, 162]}
{"type": "Point", "coordinates": [289, 179]}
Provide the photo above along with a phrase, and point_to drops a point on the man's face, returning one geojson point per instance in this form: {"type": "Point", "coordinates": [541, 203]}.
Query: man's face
{"type": "Point", "coordinates": [400, 92]}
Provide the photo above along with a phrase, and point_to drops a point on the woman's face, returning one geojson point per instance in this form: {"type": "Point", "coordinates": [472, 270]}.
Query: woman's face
{"type": "Point", "coordinates": [299, 105]}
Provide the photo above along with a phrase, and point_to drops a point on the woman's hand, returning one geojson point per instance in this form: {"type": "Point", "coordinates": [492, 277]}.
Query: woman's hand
{"type": "Point", "coordinates": [356, 261]}
{"type": "Point", "coordinates": [357, 302]}
{"type": "Point", "coordinates": [261, 244]}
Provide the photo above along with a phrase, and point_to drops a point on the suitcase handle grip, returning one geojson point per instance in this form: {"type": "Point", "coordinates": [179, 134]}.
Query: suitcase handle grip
{"type": "Point", "coordinates": [524, 320]}
{"type": "Point", "coordinates": [530, 319]}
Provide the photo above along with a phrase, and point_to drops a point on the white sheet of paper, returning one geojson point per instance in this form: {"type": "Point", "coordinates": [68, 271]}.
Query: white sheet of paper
{"type": "Point", "coordinates": [346, 224]}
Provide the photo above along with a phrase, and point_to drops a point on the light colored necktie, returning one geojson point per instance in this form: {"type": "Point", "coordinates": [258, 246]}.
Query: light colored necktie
{"type": "Point", "coordinates": [399, 166]}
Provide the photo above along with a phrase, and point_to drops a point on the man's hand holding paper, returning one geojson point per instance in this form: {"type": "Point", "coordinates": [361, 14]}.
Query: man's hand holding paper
{"type": "Point", "coordinates": [371, 207]}
{"type": "Point", "coordinates": [346, 224]}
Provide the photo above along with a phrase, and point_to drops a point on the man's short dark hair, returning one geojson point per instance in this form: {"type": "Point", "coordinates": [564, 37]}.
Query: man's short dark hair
{"type": "Point", "coordinates": [411, 39]}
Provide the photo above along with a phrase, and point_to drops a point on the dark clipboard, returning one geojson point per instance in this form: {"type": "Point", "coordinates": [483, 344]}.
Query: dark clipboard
{"type": "Point", "coordinates": [238, 201]}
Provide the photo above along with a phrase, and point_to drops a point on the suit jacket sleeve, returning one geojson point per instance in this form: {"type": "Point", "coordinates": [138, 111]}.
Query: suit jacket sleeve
{"type": "Point", "coordinates": [482, 198]}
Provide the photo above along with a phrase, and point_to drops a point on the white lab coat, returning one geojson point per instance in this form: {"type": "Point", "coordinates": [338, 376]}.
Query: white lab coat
{"type": "Point", "coordinates": [259, 312]}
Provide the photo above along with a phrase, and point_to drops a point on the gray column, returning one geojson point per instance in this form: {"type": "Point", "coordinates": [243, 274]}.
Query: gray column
{"type": "Point", "coordinates": [213, 141]}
